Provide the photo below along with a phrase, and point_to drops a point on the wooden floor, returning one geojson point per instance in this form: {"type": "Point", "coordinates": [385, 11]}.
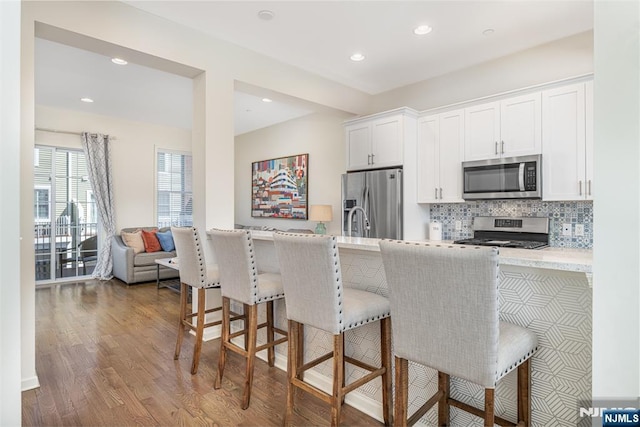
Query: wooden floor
{"type": "Point", "coordinates": [104, 357]}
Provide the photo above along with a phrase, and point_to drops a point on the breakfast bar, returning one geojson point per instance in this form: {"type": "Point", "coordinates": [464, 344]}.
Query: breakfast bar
{"type": "Point", "coordinates": [548, 291]}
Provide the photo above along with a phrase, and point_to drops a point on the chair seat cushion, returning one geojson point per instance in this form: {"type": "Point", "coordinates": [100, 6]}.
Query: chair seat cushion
{"type": "Point", "coordinates": [269, 287]}
{"type": "Point", "coordinates": [360, 307]}
{"type": "Point", "coordinates": [516, 345]}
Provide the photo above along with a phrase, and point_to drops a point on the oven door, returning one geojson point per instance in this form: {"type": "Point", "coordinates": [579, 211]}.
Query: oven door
{"type": "Point", "coordinates": [508, 178]}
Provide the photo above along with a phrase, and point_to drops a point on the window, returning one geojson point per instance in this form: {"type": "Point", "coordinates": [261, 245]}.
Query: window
{"type": "Point", "coordinates": [174, 189]}
{"type": "Point", "coordinates": [41, 203]}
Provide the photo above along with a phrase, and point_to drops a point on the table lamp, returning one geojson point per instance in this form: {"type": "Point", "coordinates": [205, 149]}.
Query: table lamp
{"type": "Point", "coordinates": [322, 214]}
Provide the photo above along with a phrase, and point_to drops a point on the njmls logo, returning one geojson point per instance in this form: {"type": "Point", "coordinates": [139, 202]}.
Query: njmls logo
{"type": "Point", "coordinates": [598, 412]}
{"type": "Point", "coordinates": [611, 412]}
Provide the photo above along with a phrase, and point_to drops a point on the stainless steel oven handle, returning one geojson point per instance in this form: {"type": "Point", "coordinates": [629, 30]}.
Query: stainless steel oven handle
{"type": "Point", "coordinates": [521, 176]}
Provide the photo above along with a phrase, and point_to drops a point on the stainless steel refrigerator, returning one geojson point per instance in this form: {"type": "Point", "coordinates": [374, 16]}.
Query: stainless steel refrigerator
{"type": "Point", "coordinates": [379, 194]}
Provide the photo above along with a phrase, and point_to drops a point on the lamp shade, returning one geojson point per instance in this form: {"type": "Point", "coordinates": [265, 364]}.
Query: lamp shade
{"type": "Point", "coordinates": [321, 213]}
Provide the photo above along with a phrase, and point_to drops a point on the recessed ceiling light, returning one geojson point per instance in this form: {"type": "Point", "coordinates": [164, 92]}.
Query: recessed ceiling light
{"type": "Point", "coordinates": [119, 61]}
{"type": "Point", "coordinates": [266, 15]}
{"type": "Point", "coordinates": [88, 100]}
{"type": "Point", "coordinates": [488, 32]}
{"type": "Point", "coordinates": [422, 30]}
{"type": "Point", "coordinates": [357, 57]}
{"type": "Point", "coordinates": [266, 100]}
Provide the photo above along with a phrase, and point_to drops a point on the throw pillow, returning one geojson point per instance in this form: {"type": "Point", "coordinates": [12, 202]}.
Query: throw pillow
{"type": "Point", "coordinates": [166, 240]}
{"type": "Point", "coordinates": [151, 243]}
{"type": "Point", "coordinates": [133, 240]}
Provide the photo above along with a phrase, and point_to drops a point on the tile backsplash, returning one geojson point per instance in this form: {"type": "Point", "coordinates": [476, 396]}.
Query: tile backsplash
{"type": "Point", "coordinates": [559, 213]}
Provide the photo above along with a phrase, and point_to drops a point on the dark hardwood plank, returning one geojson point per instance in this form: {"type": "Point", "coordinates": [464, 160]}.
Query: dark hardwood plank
{"type": "Point", "coordinates": [104, 357]}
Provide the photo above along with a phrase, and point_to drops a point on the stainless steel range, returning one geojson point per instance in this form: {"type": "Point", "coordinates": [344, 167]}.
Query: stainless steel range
{"type": "Point", "coordinates": [507, 232]}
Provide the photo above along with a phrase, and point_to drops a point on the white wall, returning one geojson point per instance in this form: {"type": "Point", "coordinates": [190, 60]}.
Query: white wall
{"type": "Point", "coordinates": [616, 242]}
{"type": "Point", "coordinates": [10, 364]}
{"type": "Point", "coordinates": [322, 136]}
{"type": "Point", "coordinates": [561, 59]}
{"type": "Point", "coordinates": [133, 156]}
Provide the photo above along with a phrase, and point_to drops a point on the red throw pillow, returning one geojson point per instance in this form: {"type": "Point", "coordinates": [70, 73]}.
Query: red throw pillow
{"type": "Point", "coordinates": [151, 242]}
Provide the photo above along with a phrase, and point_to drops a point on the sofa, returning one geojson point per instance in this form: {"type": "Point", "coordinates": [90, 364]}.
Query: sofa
{"type": "Point", "coordinates": [136, 268]}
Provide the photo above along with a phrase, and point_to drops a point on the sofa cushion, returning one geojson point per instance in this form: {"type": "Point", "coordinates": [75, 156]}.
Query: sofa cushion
{"type": "Point", "coordinates": [166, 240]}
{"type": "Point", "coordinates": [151, 243]}
{"type": "Point", "coordinates": [149, 258]}
{"type": "Point", "coordinates": [133, 240]}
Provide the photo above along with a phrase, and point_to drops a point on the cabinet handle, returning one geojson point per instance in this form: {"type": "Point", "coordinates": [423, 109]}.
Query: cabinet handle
{"type": "Point", "coordinates": [436, 194]}
{"type": "Point", "coordinates": [372, 156]}
{"type": "Point", "coordinates": [502, 148]}
{"type": "Point", "coordinates": [580, 187]}
{"type": "Point", "coordinates": [496, 148]}
{"type": "Point", "coordinates": [589, 184]}
{"type": "Point", "coordinates": [440, 192]}
{"type": "Point", "coordinates": [368, 159]}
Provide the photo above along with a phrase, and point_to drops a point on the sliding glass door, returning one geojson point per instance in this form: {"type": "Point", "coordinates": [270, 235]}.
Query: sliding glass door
{"type": "Point", "coordinates": [65, 220]}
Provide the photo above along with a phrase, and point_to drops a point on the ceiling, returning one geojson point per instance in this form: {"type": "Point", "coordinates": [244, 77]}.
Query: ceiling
{"type": "Point", "coordinates": [317, 36]}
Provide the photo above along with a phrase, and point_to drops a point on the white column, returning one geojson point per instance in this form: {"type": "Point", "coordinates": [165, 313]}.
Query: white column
{"type": "Point", "coordinates": [616, 270]}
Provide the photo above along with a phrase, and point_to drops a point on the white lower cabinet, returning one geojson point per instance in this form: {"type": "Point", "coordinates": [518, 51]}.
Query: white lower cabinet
{"type": "Point", "coordinates": [440, 147]}
{"type": "Point", "coordinates": [567, 142]}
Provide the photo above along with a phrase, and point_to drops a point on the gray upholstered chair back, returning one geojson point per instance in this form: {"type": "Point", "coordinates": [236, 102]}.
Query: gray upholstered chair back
{"type": "Point", "coordinates": [444, 306]}
{"type": "Point", "coordinates": [311, 278]}
{"type": "Point", "coordinates": [236, 264]}
{"type": "Point", "coordinates": [191, 262]}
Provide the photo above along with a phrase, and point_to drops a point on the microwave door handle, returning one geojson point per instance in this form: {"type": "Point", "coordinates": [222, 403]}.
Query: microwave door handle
{"type": "Point", "coordinates": [521, 176]}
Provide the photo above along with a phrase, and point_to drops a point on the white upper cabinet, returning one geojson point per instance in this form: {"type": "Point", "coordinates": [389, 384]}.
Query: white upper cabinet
{"type": "Point", "coordinates": [567, 147]}
{"type": "Point", "coordinates": [375, 142]}
{"type": "Point", "coordinates": [507, 128]}
{"type": "Point", "coordinates": [440, 142]}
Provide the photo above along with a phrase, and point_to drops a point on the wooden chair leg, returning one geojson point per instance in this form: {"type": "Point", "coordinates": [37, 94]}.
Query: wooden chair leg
{"type": "Point", "coordinates": [344, 373]}
{"type": "Point", "coordinates": [224, 339]}
{"type": "Point", "coordinates": [443, 406]}
{"type": "Point", "coordinates": [292, 368]}
{"type": "Point", "coordinates": [245, 311]}
{"type": "Point", "coordinates": [271, 353]}
{"type": "Point", "coordinates": [489, 415]}
{"type": "Point", "coordinates": [338, 378]}
{"type": "Point", "coordinates": [197, 348]}
{"type": "Point", "coordinates": [385, 357]}
{"type": "Point", "coordinates": [251, 354]}
{"type": "Point", "coordinates": [183, 317]}
{"type": "Point", "coordinates": [402, 392]}
{"type": "Point", "coordinates": [300, 348]}
{"type": "Point", "coordinates": [524, 393]}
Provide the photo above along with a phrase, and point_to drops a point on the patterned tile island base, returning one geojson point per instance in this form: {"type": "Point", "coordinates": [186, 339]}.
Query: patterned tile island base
{"type": "Point", "coordinates": [556, 305]}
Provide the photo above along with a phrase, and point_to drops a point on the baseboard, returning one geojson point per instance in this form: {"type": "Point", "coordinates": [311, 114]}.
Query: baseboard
{"type": "Point", "coordinates": [30, 383]}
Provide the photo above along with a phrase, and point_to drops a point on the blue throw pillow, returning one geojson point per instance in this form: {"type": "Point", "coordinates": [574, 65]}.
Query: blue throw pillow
{"type": "Point", "coordinates": [166, 240]}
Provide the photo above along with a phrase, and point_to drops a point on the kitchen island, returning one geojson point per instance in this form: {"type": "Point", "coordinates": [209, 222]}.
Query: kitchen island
{"type": "Point", "coordinates": [548, 291]}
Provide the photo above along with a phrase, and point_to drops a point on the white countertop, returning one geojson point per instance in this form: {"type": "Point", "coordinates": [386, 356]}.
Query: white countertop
{"type": "Point", "coordinates": [564, 259]}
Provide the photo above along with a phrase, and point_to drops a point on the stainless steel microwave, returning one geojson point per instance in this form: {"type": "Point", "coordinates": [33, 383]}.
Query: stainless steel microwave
{"type": "Point", "coordinates": [504, 178]}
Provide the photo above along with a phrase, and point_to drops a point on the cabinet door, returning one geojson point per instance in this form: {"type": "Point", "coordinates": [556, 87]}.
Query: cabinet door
{"type": "Point", "coordinates": [588, 97]}
{"type": "Point", "coordinates": [450, 150]}
{"type": "Point", "coordinates": [520, 126]}
{"type": "Point", "coordinates": [563, 148]}
{"type": "Point", "coordinates": [358, 138]}
{"type": "Point", "coordinates": [482, 131]}
{"type": "Point", "coordinates": [387, 142]}
{"type": "Point", "coordinates": [428, 155]}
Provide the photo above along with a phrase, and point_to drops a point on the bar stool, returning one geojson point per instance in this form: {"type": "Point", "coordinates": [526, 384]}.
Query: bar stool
{"type": "Point", "coordinates": [312, 280]}
{"type": "Point", "coordinates": [444, 303]}
{"type": "Point", "coordinates": [241, 282]}
{"type": "Point", "coordinates": [194, 272]}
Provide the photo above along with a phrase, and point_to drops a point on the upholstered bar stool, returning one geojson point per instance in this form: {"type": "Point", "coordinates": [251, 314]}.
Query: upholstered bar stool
{"type": "Point", "coordinates": [194, 272]}
{"type": "Point", "coordinates": [240, 281]}
{"type": "Point", "coordinates": [444, 303]}
{"type": "Point", "coordinates": [315, 295]}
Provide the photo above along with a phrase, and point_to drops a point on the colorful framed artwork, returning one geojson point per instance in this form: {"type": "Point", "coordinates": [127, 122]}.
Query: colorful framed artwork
{"type": "Point", "coordinates": [279, 187]}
